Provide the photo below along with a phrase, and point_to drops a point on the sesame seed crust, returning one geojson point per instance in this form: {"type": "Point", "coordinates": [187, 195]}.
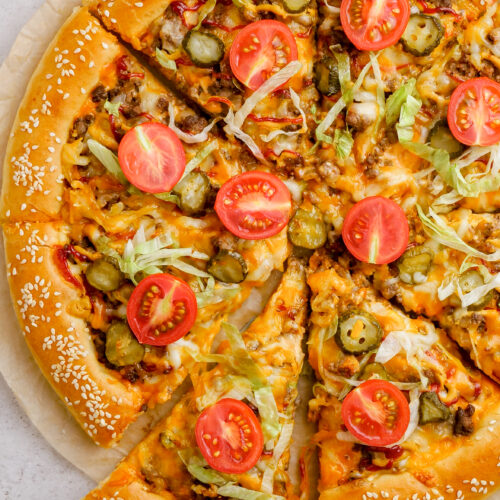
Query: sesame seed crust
{"type": "Point", "coordinates": [128, 17]}
{"type": "Point", "coordinates": [50, 311]}
{"type": "Point", "coordinates": [69, 70]}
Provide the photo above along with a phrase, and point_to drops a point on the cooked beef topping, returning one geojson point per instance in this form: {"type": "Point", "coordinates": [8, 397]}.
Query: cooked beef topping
{"type": "Point", "coordinates": [461, 70]}
{"type": "Point", "coordinates": [463, 421]}
{"type": "Point", "coordinates": [80, 126]}
{"type": "Point", "coordinates": [99, 94]}
{"type": "Point", "coordinates": [192, 124]}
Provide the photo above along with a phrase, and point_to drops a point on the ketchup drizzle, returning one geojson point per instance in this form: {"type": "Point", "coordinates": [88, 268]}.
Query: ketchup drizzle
{"type": "Point", "coordinates": [180, 7]}
{"type": "Point", "coordinates": [123, 71]}
{"type": "Point", "coordinates": [227, 29]}
{"type": "Point", "coordinates": [285, 119]}
{"type": "Point", "coordinates": [436, 10]}
{"type": "Point", "coordinates": [61, 260]}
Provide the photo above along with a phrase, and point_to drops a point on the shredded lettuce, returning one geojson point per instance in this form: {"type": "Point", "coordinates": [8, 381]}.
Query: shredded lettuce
{"type": "Point", "coordinates": [108, 159]}
{"type": "Point", "coordinates": [414, 345]}
{"type": "Point", "coordinates": [213, 293]}
{"type": "Point", "coordinates": [302, 130]}
{"type": "Point", "coordinates": [234, 121]}
{"type": "Point", "coordinates": [343, 143]}
{"type": "Point", "coordinates": [184, 136]}
{"type": "Point", "coordinates": [150, 256]}
{"type": "Point", "coordinates": [409, 111]}
{"type": "Point", "coordinates": [344, 71]}
{"type": "Point", "coordinates": [199, 158]}
{"type": "Point", "coordinates": [334, 111]}
{"type": "Point", "coordinates": [397, 99]}
{"type": "Point", "coordinates": [268, 412]}
{"type": "Point", "coordinates": [283, 443]}
{"type": "Point", "coordinates": [451, 284]}
{"type": "Point", "coordinates": [112, 108]}
{"type": "Point", "coordinates": [437, 229]}
{"type": "Point", "coordinates": [164, 60]}
{"type": "Point", "coordinates": [207, 7]}
{"type": "Point", "coordinates": [380, 92]}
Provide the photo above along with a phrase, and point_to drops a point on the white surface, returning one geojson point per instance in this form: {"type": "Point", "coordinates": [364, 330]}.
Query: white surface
{"type": "Point", "coordinates": [30, 467]}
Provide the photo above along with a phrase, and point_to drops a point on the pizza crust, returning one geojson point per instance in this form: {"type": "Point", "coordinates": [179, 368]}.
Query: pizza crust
{"type": "Point", "coordinates": [70, 69]}
{"type": "Point", "coordinates": [50, 311]}
{"type": "Point", "coordinates": [473, 469]}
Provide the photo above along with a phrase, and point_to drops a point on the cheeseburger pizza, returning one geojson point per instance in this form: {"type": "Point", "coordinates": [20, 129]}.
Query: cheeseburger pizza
{"type": "Point", "coordinates": [172, 161]}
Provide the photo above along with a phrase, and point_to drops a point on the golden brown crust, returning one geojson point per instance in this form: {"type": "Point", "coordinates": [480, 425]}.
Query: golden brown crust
{"type": "Point", "coordinates": [50, 311]}
{"type": "Point", "coordinates": [471, 471]}
{"type": "Point", "coordinates": [68, 72]}
{"type": "Point", "coordinates": [128, 17]}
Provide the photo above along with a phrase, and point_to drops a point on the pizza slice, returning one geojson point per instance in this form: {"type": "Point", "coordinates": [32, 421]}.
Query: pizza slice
{"type": "Point", "coordinates": [118, 269]}
{"type": "Point", "coordinates": [230, 435]}
{"type": "Point", "coordinates": [234, 60]}
{"type": "Point", "coordinates": [450, 274]}
{"type": "Point", "coordinates": [399, 410]}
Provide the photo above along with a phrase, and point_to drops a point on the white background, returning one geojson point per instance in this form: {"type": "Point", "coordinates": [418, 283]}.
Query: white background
{"type": "Point", "coordinates": [29, 468]}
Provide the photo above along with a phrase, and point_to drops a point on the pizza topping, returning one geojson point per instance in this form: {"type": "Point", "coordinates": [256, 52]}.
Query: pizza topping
{"type": "Point", "coordinates": [161, 310]}
{"type": "Point", "coordinates": [185, 136]}
{"type": "Point", "coordinates": [376, 230]}
{"type": "Point", "coordinates": [422, 35]}
{"type": "Point", "coordinates": [260, 50]}
{"type": "Point", "coordinates": [254, 205]}
{"type": "Point", "coordinates": [374, 24]}
{"type": "Point", "coordinates": [474, 112]}
{"type": "Point", "coordinates": [103, 275]}
{"type": "Point", "coordinates": [295, 6]}
{"type": "Point", "coordinates": [376, 413]}
{"type": "Point", "coordinates": [326, 76]}
{"type": "Point", "coordinates": [437, 228]}
{"type": "Point", "coordinates": [229, 436]}
{"type": "Point", "coordinates": [228, 266]}
{"type": "Point", "coordinates": [415, 264]}
{"type": "Point", "coordinates": [471, 280]}
{"type": "Point", "coordinates": [440, 137]}
{"type": "Point", "coordinates": [431, 409]}
{"type": "Point", "coordinates": [122, 348]}
{"type": "Point", "coordinates": [358, 332]}
{"type": "Point", "coordinates": [307, 229]}
{"type": "Point", "coordinates": [374, 370]}
{"type": "Point", "coordinates": [152, 157]}
{"type": "Point", "coordinates": [464, 424]}
{"type": "Point", "coordinates": [193, 192]}
{"type": "Point", "coordinates": [204, 49]}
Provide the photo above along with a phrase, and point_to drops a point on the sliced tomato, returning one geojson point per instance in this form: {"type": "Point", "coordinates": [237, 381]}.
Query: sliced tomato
{"type": "Point", "coordinates": [152, 157]}
{"type": "Point", "coordinates": [376, 230]}
{"type": "Point", "coordinates": [261, 49]}
{"type": "Point", "coordinates": [161, 309]}
{"type": "Point", "coordinates": [254, 205]}
{"type": "Point", "coordinates": [376, 412]}
{"type": "Point", "coordinates": [229, 436]}
{"type": "Point", "coordinates": [374, 24]}
{"type": "Point", "coordinates": [474, 112]}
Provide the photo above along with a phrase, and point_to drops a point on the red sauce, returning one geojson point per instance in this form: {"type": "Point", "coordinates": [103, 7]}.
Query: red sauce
{"type": "Point", "coordinates": [392, 453]}
{"type": "Point", "coordinates": [123, 71]}
{"type": "Point", "coordinates": [223, 100]}
{"type": "Point", "coordinates": [477, 389]}
{"type": "Point", "coordinates": [114, 128]}
{"type": "Point", "coordinates": [455, 77]}
{"type": "Point", "coordinates": [183, 62]}
{"type": "Point", "coordinates": [284, 93]}
{"type": "Point", "coordinates": [227, 29]}
{"type": "Point", "coordinates": [222, 76]}
{"type": "Point", "coordinates": [71, 250]}
{"type": "Point", "coordinates": [270, 152]}
{"type": "Point", "coordinates": [272, 119]}
{"type": "Point", "coordinates": [305, 34]}
{"type": "Point", "coordinates": [438, 10]}
{"type": "Point", "coordinates": [180, 7]}
{"type": "Point", "coordinates": [61, 260]}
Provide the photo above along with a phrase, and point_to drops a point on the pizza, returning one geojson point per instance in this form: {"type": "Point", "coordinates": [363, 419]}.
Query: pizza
{"type": "Point", "coordinates": [214, 191]}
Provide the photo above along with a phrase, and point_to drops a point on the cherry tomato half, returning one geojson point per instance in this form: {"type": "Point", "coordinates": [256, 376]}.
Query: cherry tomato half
{"type": "Point", "coordinates": [376, 230]}
{"type": "Point", "coordinates": [376, 412]}
{"type": "Point", "coordinates": [229, 436]}
{"type": "Point", "coordinates": [474, 112]}
{"type": "Point", "coordinates": [161, 309]}
{"type": "Point", "coordinates": [374, 24]}
{"type": "Point", "coordinates": [152, 157]}
{"type": "Point", "coordinates": [254, 205]}
{"type": "Point", "coordinates": [261, 49]}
